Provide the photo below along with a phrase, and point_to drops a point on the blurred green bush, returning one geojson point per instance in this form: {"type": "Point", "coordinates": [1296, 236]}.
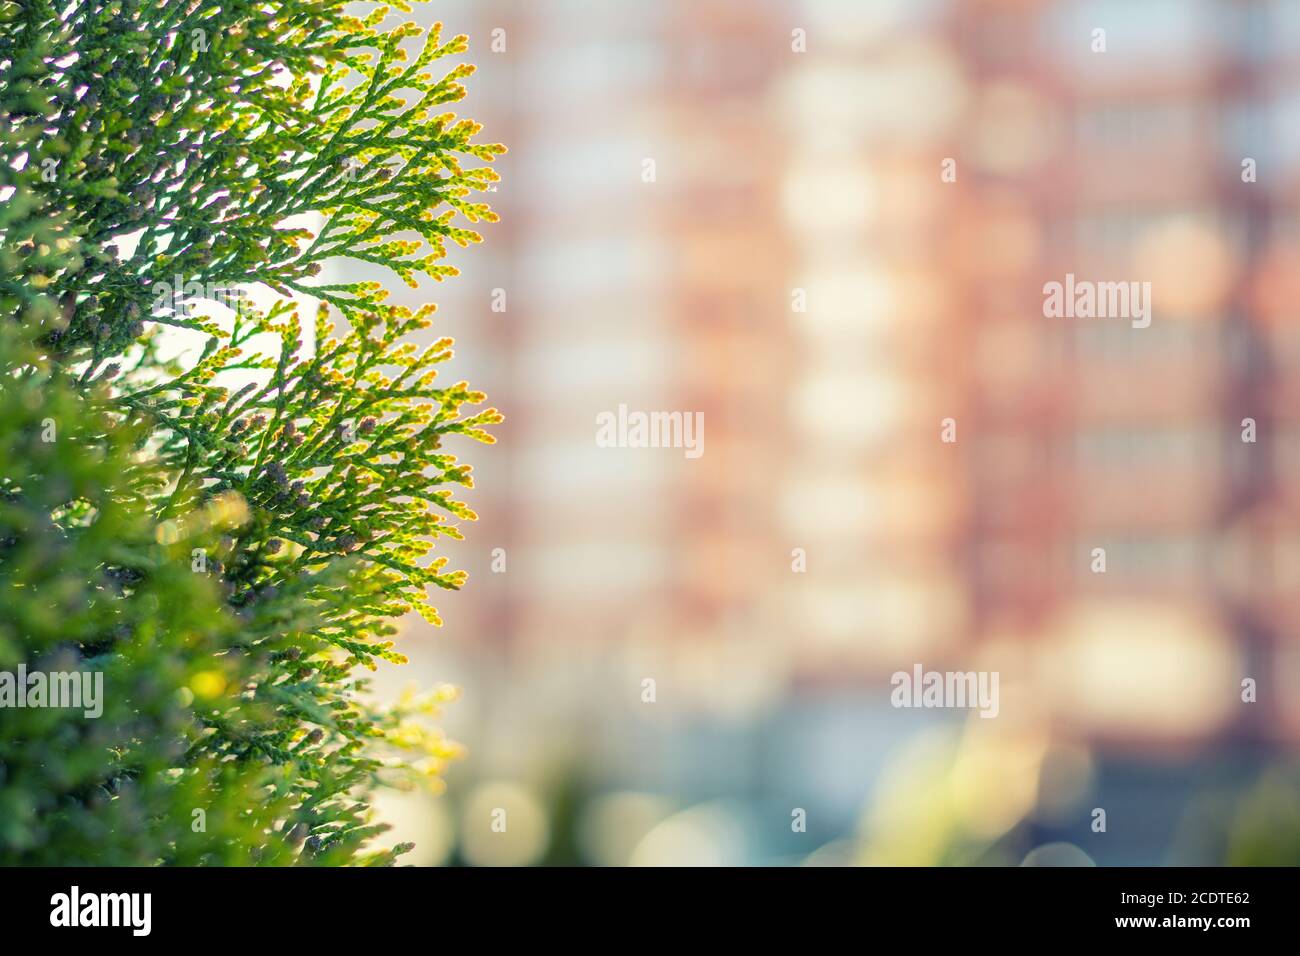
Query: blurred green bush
{"type": "Point", "coordinates": [226, 541]}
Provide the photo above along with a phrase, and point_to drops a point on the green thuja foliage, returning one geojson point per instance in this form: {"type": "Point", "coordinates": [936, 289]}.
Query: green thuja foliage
{"type": "Point", "coordinates": [223, 539]}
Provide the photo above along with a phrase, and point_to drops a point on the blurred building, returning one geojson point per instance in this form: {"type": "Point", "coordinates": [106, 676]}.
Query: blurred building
{"type": "Point", "coordinates": [741, 208]}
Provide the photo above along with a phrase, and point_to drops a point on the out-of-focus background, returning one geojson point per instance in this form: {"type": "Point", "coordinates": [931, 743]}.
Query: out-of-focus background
{"type": "Point", "coordinates": [799, 271]}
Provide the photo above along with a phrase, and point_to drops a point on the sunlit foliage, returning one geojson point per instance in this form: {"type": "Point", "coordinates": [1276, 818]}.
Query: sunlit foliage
{"type": "Point", "coordinates": [227, 537]}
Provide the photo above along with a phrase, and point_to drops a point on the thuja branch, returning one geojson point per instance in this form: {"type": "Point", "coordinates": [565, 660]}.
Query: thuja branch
{"type": "Point", "coordinates": [231, 551]}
